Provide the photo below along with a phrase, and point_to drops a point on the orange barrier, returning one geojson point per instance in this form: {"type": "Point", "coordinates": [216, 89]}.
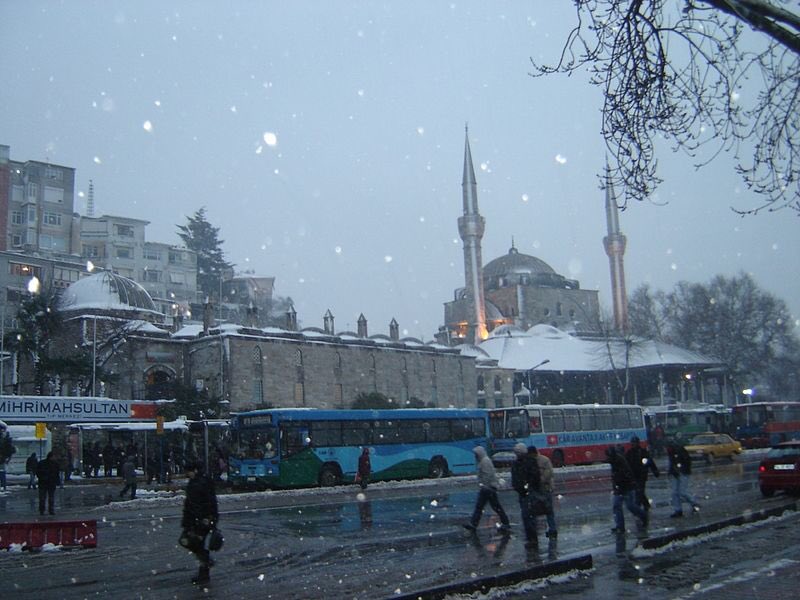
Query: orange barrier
{"type": "Point", "coordinates": [33, 535]}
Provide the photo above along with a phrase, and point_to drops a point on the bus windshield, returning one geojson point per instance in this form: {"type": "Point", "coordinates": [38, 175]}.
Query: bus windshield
{"type": "Point", "coordinates": [257, 443]}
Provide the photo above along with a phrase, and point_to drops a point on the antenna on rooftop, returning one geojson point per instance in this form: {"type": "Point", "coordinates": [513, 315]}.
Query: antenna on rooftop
{"type": "Point", "coordinates": [90, 200]}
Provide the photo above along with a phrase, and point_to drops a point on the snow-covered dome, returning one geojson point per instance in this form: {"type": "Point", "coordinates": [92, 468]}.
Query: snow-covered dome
{"type": "Point", "coordinates": [516, 268]}
{"type": "Point", "coordinates": [106, 291]}
{"type": "Point", "coordinates": [516, 263]}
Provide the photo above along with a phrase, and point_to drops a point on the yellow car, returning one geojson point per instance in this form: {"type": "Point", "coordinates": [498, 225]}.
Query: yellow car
{"type": "Point", "coordinates": [711, 446]}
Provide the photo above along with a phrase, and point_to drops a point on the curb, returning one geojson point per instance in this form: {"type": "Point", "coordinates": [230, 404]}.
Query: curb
{"type": "Point", "coordinates": [759, 515]}
{"type": "Point", "coordinates": [484, 584]}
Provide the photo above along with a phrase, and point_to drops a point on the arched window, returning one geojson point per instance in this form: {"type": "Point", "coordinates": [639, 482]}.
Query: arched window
{"type": "Point", "coordinates": [298, 359]}
{"type": "Point", "coordinates": [498, 384]}
{"type": "Point", "coordinates": [481, 384]}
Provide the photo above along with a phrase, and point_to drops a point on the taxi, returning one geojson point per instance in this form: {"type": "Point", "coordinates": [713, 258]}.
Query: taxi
{"type": "Point", "coordinates": [711, 446]}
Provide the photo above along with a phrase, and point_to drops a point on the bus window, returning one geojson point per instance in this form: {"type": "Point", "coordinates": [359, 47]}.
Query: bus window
{"type": "Point", "coordinates": [635, 416]}
{"type": "Point", "coordinates": [535, 421]}
{"type": "Point", "coordinates": [294, 437]}
{"type": "Point", "coordinates": [572, 419]}
{"type": "Point", "coordinates": [327, 433]}
{"type": "Point", "coordinates": [465, 429]}
{"type": "Point", "coordinates": [385, 432]}
{"type": "Point", "coordinates": [589, 419]}
{"type": "Point", "coordinates": [356, 433]}
{"type": "Point", "coordinates": [603, 418]}
{"type": "Point", "coordinates": [620, 418]}
{"type": "Point", "coordinates": [517, 424]}
{"type": "Point", "coordinates": [257, 443]}
{"type": "Point", "coordinates": [553, 420]}
{"type": "Point", "coordinates": [436, 431]}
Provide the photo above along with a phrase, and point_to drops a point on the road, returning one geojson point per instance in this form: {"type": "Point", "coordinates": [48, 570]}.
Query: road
{"type": "Point", "coordinates": [393, 539]}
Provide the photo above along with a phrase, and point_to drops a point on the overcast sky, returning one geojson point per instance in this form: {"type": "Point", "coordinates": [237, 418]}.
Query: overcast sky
{"type": "Point", "coordinates": [326, 141]}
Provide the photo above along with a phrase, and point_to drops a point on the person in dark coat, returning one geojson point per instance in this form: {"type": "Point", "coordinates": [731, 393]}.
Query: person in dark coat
{"type": "Point", "coordinates": [679, 470]}
{"type": "Point", "coordinates": [526, 482]}
{"type": "Point", "coordinates": [129, 476]}
{"type": "Point", "coordinates": [624, 489]}
{"type": "Point", "coordinates": [48, 474]}
{"type": "Point", "coordinates": [108, 459]}
{"type": "Point", "coordinates": [364, 469]}
{"type": "Point", "coordinates": [200, 515]}
{"type": "Point", "coordinates": [641, 463]}
{"type": "Point", "coordinates": [30, 469]}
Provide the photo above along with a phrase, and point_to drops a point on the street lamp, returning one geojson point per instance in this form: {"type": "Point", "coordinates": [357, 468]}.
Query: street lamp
{"type": "Point", "coordinates": [528, 375]}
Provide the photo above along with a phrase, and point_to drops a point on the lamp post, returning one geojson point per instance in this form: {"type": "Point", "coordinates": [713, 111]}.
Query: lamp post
{"type": "Point", "coordinates": [528, 374]}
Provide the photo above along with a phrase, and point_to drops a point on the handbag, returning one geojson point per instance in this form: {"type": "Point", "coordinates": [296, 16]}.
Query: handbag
{"type": "Point", "coordinates": [214, 540]}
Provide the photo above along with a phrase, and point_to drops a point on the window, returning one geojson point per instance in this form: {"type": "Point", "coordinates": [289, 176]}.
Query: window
{"type": "Point", "coordinates": [553, 420]}
{"type": "Point", "coordinates": [51, 218]}
{"type": "Point", "coordinates": [53, 173]}
{"type": "Point", "coordinates": [123, 230]}
{"type": "Point", "coordinates": [326, 433]}
{"type": "Point", "coordinates": [295, 437]}
{"type": "Point", "coordinates": [175, 257]}
{"type": "Point", "coordinates": [385, 432]}
{"type": "Point", "coordinates": [151, 276]}
{"type": "Point", "coordinates": [31, 214]}
{"type": "Point", "coordinates": [498, 384]}
{"type": "Point", "coordinates": [356, 433]}
{"type": "Point", "coordinates": [124, 252]}
{"type": "Point", "coordinates": [572, 419]}
{"type": "Point", "coordinates": [17, 193]}
{"type": "Point", "coordinates": [33, 190]}
{"type": "Point", "coordinates": [16, 240]}
{"type": "Point", "coordinates": [23, 270]}
{"type": "Point", "coordinates": [558, 308]}
{"type": "Point", "coordinates": [50, 242]}
{"type": "Point", "coordinates": [150, 254]}
{"type": "Point", "coordinates": [481, 384]}
{"type": "Point", "coordinates": [91, 251]}
{"type": "Point", "coordinates": [54, 195]}
{"type": "Point", "coordinates": [178, 278]}
{"type": "Point", "coordinates": [17, 217]}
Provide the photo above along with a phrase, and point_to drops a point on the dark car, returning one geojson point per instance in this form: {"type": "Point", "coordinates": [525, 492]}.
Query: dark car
{"type": "Point", "coordinates": [780, 469]}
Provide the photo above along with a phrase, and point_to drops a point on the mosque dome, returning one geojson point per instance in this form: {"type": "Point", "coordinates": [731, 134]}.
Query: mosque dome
{"type": "Point", "coordinates": [516, 268]}
{"type": "Point", "coordinates": [106, 291]}
{"type": "Point", "coordinates": [516, 263]}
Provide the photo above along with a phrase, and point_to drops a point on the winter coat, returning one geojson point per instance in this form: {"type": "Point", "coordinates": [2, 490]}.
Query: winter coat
{"type": "Point", "coordinates": [525, 476]}
{"type": "Point", "coordinates": [545, 472]}
{"type": "Point", "coordinates": [129, 471]}
{"type": "Point", "coordinates": [48, 473]}
{"type": "Point", "coordinates": [200, 505]}
{"type": "Point", "coordinates": [640, 462]}
{"type": "Point", "coordinates": [364, 466]}
{"type": "Point", "coordinates": [621, 474]}
{"type": "Point", "coordinates": [487, 476]}
{"type": "Point", "coordinates": [31, 464]}
{"type": "Point", "coordinates": [680, 463]}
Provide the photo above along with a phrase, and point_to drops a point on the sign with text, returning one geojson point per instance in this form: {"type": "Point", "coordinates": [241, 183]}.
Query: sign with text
{"type": "Point", "coordinates": [63, 408]}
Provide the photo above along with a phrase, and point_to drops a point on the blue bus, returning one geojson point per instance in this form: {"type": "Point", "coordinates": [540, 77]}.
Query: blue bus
{"type": "Point", "coordinates": [568, 434]}
{"type": "Point", "coordinates": [300, 447]}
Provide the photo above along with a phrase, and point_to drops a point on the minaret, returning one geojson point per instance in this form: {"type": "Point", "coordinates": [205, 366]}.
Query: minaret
{"type": "Point", "coordinates": [470, 228]}
{"type": "Point", "coordinates": [90, 201]}
{"type": "Point", "coordinates": [614, 244]}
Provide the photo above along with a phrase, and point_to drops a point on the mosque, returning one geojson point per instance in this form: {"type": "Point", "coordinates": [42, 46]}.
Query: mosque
{"type": "Point", "coordinates": [513, 316]}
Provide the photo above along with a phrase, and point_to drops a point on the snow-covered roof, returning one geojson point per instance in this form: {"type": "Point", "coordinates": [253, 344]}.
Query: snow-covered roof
{"type": "Point", "coordinates": [522, 350]}
{"type": "Point", "coordinates": [106, 291]}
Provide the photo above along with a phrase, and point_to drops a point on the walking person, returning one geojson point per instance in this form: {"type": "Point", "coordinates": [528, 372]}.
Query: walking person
{"type": "Point", "coordinates": [30, 468]}
{"type": "Point", "coordinates": [526, 482]}
{"type": "Point", "coordinates": [546, 487]}
{"type": "Point", "coordinates": [624, 490]}
{"type": "Point", "coordinates": [200, 515]}
{"type": "Point", "coordinates": [487, 492]}
{"type": "Point", "coordinates": [48, 474]}
{"type": "Point", "coordinates": [641, 463]}
{"type": "Point", "coordinates": [679, 470]}
{"type": "Point", "coordinates": [364, 469]}
{"type": "Point", "coordinates": [129, 476]}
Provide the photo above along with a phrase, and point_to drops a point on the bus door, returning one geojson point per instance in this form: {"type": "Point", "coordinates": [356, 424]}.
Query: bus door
{"type": "Point", "coordinates": [299, 465]}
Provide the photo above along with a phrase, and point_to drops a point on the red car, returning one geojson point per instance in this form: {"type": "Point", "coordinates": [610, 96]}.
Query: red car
{"type": "Point", "coordinates": [780, 469]}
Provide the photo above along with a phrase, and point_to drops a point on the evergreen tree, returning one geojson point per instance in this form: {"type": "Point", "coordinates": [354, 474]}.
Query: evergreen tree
{"type": "Point", "coordinates": [203, 238]}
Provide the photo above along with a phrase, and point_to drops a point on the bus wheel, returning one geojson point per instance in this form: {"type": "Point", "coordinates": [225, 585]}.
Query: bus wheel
{"type": "Point", "coordinates": [329, 476]}
{"type": "Point", "coordinates": [558, 458]}
{"type": "Point", "coordinates": [437, 468]}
